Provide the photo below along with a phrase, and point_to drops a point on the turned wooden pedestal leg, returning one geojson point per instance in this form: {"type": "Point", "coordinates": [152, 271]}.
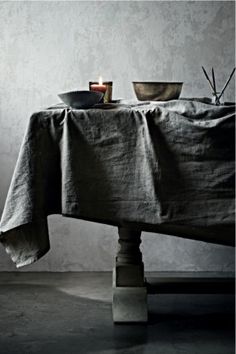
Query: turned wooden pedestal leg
{"type": "Point", "coordinates": [129, 290]}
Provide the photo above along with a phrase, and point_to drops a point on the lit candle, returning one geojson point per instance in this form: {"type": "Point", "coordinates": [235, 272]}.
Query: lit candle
{"type": "Point", "coordinates": [98, 87]}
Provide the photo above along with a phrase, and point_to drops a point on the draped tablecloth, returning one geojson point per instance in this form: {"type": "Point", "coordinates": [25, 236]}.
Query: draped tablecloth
{"type": "Point", "coordinates": [163, 163]}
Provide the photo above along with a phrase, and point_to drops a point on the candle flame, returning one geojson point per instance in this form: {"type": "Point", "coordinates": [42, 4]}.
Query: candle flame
{"type": "Point", "coordinates": [100, 80]}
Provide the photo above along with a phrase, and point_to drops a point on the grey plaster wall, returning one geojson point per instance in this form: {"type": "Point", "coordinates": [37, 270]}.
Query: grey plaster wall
{"type": "Point", "coordinates": [49, 47]}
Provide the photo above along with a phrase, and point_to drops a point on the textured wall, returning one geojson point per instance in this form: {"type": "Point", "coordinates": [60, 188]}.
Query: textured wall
{"type": "Point", "coordinates": [49, 47]}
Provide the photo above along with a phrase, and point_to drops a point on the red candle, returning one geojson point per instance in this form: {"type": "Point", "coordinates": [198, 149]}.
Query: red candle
{"type": "Point", "coordinates": [98, 87]}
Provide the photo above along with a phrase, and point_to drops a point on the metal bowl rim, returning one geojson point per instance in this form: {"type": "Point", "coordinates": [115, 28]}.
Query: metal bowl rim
{"type": "Point", "coordinates": [157, 82]}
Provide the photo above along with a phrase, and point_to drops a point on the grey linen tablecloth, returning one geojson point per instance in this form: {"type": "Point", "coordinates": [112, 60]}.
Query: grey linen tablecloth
{"type": "Point", "coordinates": [155, 164]}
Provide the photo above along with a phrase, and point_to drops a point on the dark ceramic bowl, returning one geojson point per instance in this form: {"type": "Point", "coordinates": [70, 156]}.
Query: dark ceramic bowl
{"type": "Point", "coordinates": [81, 99]}
{"type": "Point", "coordinates": [157, 91]}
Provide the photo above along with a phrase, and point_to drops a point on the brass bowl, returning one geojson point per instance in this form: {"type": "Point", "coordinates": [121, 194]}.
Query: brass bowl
{"type": "Point", "coordinates": [157, 91]}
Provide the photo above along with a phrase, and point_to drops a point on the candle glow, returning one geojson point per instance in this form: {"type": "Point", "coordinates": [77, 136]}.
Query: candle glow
{"type": "Point", "coordinates": [98, 86]}
{"type": "Point", "coordinates": [100, 80]}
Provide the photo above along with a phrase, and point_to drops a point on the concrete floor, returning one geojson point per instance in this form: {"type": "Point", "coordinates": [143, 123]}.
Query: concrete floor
{"type": "Point", "coordinates": [70, 313]}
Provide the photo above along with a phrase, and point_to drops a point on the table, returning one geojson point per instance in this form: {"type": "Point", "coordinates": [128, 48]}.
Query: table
{"type": "Point", "coordinates": [166, 167]}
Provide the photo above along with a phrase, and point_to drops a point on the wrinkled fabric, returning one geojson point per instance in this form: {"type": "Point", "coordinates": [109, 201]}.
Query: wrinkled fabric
{"type": "Point", "coordinates": [155, 163]}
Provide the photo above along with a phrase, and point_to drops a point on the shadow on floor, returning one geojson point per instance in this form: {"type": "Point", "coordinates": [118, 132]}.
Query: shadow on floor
{"type": "Point", "coordinates": [43, 319]}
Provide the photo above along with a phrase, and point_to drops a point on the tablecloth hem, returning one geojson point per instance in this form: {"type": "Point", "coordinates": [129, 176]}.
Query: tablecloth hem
{"type": "Point", "coordinates": [27, 243]}
{"type": "Point", "coordinates": [32, 259]}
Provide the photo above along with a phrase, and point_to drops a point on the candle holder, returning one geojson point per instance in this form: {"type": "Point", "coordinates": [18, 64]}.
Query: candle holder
{"type": "Point", "coordinates": [216, 99]}
{"type": "Point", "coordinates": [108, 93]}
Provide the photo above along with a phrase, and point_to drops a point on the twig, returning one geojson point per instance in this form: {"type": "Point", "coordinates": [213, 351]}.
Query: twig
{"type": "Point", "coordinates": [207, 77]}
{"type": "Point", "coordinates": [213, 80]}
{"type": "Point", "coordinates": [226, 84]}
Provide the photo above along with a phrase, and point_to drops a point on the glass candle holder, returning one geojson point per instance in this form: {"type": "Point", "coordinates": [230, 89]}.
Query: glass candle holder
{"type": "Point", "coordinates": [216, 100]}
{"type": "Point", "coordinates": [95, 86]}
